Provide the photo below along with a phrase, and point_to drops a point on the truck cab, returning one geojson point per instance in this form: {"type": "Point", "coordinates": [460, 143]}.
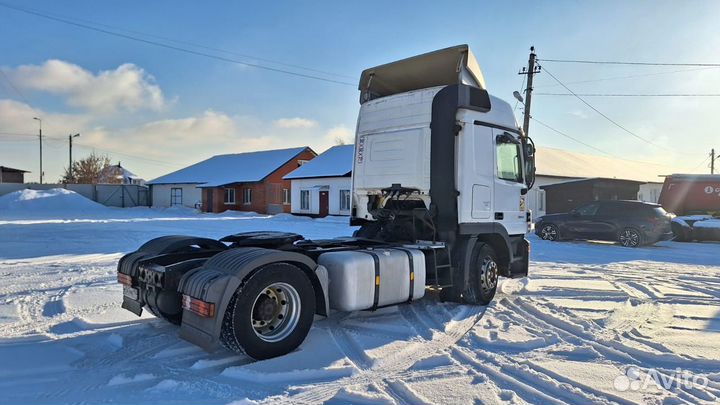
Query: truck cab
{"type": "Point", "coordinates": [437, 158]}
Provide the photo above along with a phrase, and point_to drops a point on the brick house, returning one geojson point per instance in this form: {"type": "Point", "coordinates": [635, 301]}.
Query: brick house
{"type": "Point", "coordinates": [251, 181]}
{"type": "Point", "coordinates": [259, 185]}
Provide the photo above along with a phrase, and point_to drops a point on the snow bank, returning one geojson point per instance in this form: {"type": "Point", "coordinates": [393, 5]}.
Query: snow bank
{"type": "Point", "coordinates": [709, 224]}
{"type": "Point", "coordinates": [56, 202]}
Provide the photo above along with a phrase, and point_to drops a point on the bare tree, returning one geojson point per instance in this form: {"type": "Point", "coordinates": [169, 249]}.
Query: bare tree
{"type": "Point", "coordinates": [87, 170]}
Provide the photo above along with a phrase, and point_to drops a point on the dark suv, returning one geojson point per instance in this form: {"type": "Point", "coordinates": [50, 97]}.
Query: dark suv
{"type": "Point", "coordinates": [632, 223]}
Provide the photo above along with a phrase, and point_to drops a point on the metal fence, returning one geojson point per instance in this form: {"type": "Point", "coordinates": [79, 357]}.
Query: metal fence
{"type": "Point", "coordinates": [112, 195]}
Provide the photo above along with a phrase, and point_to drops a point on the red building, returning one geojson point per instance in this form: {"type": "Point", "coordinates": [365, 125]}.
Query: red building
{"type": "Point", "coordinates": [253, 181]}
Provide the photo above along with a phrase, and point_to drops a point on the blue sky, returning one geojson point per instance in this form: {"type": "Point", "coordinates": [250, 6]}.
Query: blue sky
{"type": "Point", "coordinates": [163, 109]}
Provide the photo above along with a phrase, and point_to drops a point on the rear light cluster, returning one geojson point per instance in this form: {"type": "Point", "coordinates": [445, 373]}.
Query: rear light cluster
{"type": "Point", "coordinates": [124, 279]}
{"type": "Point", "coordinates": [200, 307]}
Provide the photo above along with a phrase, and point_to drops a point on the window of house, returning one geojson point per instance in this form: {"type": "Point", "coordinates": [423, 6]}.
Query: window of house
{"type": "Point", "coordinates": [286, 196]}
{"type": "Point", "coordinates": [344, 200]}
{"type": "Point", "coordinates": [175, 196]}
{"type": "Point", "coordinates": [247, 196]}
{"type": "Point", "coordinates": [229, 196]}
{"type": "Point", "coordinates": [508, 161]}
{"type": "Point", "coordinates": [304, 199]}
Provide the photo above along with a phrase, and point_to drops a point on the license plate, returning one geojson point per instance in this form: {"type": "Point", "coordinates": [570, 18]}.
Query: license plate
{"type": "Point", "coordinates": [130, 292]}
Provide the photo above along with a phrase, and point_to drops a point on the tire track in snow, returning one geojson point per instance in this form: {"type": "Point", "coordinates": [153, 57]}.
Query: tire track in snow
{"type": "Point", "coordinates": [394, 365]}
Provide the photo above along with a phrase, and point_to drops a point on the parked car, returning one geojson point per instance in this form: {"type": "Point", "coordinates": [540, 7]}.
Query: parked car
{"type": "Point", "coordinates": [632, 223]}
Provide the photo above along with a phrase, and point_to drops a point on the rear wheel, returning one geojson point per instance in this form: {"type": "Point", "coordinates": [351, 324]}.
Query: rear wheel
{"type": "Point", "coordinates": [549, 232]}
{"type": "Point", "coordinates": [630, 237]}
{"type": "Point", "coordinates": [271, 313]}
{"type": "Point", "coordinates": [483, 276]}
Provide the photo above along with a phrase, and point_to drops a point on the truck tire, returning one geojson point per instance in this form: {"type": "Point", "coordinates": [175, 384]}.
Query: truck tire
{"type": "Point", "coordinates": [271, 313]}
{"type": "Point", "coordinates": [483, 276]}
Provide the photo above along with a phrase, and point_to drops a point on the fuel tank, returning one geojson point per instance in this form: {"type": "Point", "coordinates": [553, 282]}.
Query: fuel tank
{"type": "Point", "coordinates": [372, 278]}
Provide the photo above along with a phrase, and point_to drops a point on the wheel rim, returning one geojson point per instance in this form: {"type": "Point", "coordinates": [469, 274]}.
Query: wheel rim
{"type": "Point", "coordinates": [275, 312]}
{"type": "Point", "coordinates": [548, 232]}
{"type": "Point", "coordinates": [489, 275]}
{"type": "Point", "coordinates": [629, 237]}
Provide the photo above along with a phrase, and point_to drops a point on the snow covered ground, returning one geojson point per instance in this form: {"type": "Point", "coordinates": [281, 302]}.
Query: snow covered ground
{"type": "Point", "coordinates": [589, 325]}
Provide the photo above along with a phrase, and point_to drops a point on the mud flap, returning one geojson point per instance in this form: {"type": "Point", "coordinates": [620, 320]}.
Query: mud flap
{"type": "Point", "coordinates": [521, 260]}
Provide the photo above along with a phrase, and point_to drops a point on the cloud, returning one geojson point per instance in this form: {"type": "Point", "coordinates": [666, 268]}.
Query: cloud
{"type": "Point", "coordinates": [128, 87]}
{"type": "Point", "coordinates": [152, 148]}
{"type": "Point", "coordinates": [17, 118]}
{"type": "Point", "coordinates": [295, 123]}
{"type": "Point", "coordinates": [579, 113]}
{"type": "Point", "coordinates": [340, 135]}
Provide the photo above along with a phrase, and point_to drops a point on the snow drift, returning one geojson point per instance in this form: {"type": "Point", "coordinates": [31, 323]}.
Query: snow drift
{"type": "Point", "coordinates": [56, 202]}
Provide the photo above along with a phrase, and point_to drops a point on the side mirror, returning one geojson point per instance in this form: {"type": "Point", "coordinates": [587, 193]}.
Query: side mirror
{"type": "Point", "coordinates": [529, 150]}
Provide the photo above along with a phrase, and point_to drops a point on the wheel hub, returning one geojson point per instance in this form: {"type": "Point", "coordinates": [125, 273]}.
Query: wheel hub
{"type": "Point", "coordinates": [548, 233]}
{"type": "Point", "coordinates": [490, 273]}
{"type": "Point", "coordinates": [265, 308]}
{"type": "Point", "coordinates": [276, 312]}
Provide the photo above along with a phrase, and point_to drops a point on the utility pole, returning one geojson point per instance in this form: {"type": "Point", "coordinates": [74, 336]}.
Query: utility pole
{"type": "Point", "coordinates": [530, 71]}
{"type": "Point", "coordinates": [39, 120]}
{"type": "Point", "coordinates": [70, 166]}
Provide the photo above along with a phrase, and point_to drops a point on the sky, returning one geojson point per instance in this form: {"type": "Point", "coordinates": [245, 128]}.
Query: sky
{"type": "Point", "coordinates": [158, 109]}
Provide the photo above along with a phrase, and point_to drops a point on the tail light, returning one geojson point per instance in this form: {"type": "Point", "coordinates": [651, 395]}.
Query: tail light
{"type": "Point", "coordinates": [199, 307]}
{"type": "Point", "coordinates": [124, 279]}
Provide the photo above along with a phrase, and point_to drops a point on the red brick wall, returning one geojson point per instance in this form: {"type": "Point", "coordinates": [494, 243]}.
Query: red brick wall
{"type": "Point", "coordinates": [266, 192]}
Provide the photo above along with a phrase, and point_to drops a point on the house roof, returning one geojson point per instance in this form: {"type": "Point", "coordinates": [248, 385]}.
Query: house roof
{"type": "Point", "coordinates": [561, 163]}
{"type": "Point", "coordinates": [591, 180]}
{"type": "Point", "coordinates": [220, 170]}
{"type": "Point", "coordinates": [11, 170]}
{"type": "Point", "coordinates": [334, 162]}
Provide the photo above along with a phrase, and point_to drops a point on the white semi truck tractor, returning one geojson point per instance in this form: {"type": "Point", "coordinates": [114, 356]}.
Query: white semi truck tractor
{"type": "Point", "coordinates": [440, 175]}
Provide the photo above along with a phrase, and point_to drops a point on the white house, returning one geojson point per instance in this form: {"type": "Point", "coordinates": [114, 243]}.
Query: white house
{"type": "Point", "coordinates": [322, 186]}
{"type": "Point", "coordinates": [556, 166]}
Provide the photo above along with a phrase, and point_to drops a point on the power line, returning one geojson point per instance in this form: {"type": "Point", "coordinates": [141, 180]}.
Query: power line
{"type": "Point", "coordinates": [173, 47]}
{"type": "Point", "coordinates": [605, 116]}
{"type": "Point", "coordinates": [628, 76]}
{"type": "Point", "coordinates": [144, 159]}
{"type": "Point", "coordinates": [15, 89]}
{"type": "Point", "coordinates": [701, 163]}
{"type": "Point", "coordinates": [600, 150]}
{"type": "Point", "coordinates": [631, 95]}
{"type": "Point", "coordinates": [63, 139]}
{"type": "Point", "coordinates": [196, 45]}
{"type": "Point", "coordinates": [570, 137]}
{"type": "Point", "coordinates": [607, 62]}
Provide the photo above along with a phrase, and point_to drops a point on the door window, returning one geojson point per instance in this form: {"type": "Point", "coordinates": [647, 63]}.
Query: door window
{"type": "Point", "coordinates": [247, 196]}
{"type": "Point", "coordinates": [508, 162]}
